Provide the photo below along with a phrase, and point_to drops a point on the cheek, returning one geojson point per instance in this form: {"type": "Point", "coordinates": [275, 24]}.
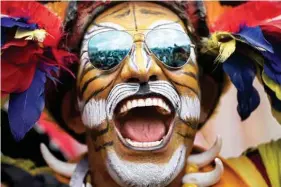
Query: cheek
{"type": "Point", "coordinates": [101, 138]}
{"type": "Point", "coordinates": [184, 132]}
{"type": "Point", "coordinates": [95, 84]}
{"type": "Point", "coordinates": [185, 80]}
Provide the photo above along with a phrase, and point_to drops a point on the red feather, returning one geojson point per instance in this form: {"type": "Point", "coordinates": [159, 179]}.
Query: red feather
{"type": "Point", "coordinates": [272, 29]}
{"type": "Point", "coordinates": [250, 14]}
{"type": "Point", "coordinates": [17, 79]}
{"type": "Point", "coordinates": [36, 13]}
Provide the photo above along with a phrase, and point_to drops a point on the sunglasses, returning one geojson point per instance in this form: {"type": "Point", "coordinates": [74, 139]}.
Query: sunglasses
{"type": "Point", "coordinates": [108, 49]}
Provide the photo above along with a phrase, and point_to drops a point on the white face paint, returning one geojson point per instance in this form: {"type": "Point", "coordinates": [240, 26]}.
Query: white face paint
{"type": "Point", "coordinates": [190, 108]}
{"type": "Point", "coordinates": [94, 113]}
{"type": "Point", "coordinates": [128, 174]}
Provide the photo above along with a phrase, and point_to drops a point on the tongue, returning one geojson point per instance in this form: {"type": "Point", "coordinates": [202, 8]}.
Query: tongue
{"type": "Point", "coordinates": [143, 130]}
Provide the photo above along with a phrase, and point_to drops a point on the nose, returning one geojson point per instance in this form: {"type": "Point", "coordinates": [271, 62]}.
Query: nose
{"type": "Point", "coordinates": [140, 66]}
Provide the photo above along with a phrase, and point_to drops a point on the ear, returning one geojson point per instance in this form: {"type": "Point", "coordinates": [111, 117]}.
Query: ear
{"type": "Point", "coordinates": [209, 96]}
{"type": "Point", "coordinates": [212, 83]}
{"type": "Point", "coordinates": [61, 102]}
{"type": "Point", "coordinates": [70, 112]}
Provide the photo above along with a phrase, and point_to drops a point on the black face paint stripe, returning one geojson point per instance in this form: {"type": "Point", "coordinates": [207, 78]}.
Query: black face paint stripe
{"type": "Point", "coordinates": [85, 71]}
{"type": "Point", "coordinates": [190, 74]}
{"type": "Point", "coordinates": [82, 53]}
{"type": "Point", "coordinates": [96, 134]}
{"type": "Point", "coordinates": [151, 12]}
{"type": "Point", "coordinates": [86, 84]}
{"type": "Point", "coordinates": [86, 62]}
{"type": "Point", "coordinates": [114, 12]}
{"type": "Point", "coordinates": [192, 89]}
{"type": "Point", "coordinates": [97, 149]}
{"type": "Point", "coordinates": [123, 14]}
{"type": "Point", "coordinates": [190, 123]}
{"type": "Point", "coordinates": [98, 91]}
{"type": "Point", "coordinates": [185, 136]}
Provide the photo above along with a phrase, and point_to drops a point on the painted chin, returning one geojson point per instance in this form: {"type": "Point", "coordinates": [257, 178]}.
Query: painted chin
{"type": "Point", "coordinates": [127, 173]}
{"type": "Point", "coordinates": [144, 123]}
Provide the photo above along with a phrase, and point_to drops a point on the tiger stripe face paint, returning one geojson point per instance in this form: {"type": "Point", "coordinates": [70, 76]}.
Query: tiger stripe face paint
{"type": "Point", "coordinates": [138, 93]}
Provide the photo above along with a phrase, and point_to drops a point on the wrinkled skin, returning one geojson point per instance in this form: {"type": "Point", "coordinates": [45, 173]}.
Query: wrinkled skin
{"type": "Point", "coordinates": [111, 160]}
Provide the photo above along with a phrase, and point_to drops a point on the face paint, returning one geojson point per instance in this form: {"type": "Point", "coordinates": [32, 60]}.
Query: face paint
{"type": "Point", "coordinates": [109, 48]}
{"type": "Point", "coordinates": [138, 93]}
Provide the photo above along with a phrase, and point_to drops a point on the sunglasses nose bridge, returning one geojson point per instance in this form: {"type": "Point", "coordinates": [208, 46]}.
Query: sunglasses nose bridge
{"type": "Point", "coordinates": [140, 61]}
{"type": "Point", "coordinates": [140, 57]}
{"type": "Point", "coordinates": [139, 37]}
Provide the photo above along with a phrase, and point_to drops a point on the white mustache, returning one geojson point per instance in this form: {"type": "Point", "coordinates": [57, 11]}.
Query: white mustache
{"type": "Point", "coordinates": [96, 111]}
{"type": "Point", "coordinates": [125, 90]}
{"type": "Point", "coordinates": [117, 94]}
{"type": "Point", "coordinates": [167, 90]}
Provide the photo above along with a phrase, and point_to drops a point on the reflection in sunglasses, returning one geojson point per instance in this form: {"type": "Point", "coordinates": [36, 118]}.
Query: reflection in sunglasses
{"type": "Point", "coordinates": [108, 49]}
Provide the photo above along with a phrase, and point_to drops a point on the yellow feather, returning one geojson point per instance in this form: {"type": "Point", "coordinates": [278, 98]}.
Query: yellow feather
{"type": "Point", "coordinates": [277, 115]}
{"type": "Point", "coordinates": [210, 45]}
{"type": "Point", "coordinates": [220, 44]}
{"type": "Point", "coordinates": [226, 49]}
{"type": "Point", "coordinates": [272, 85]}
{"type": "Point", "coordinates": [38, 34]}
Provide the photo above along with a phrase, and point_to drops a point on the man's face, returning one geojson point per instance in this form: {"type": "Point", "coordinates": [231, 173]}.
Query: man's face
{"type": "Point", "coordinates": [138, 93]}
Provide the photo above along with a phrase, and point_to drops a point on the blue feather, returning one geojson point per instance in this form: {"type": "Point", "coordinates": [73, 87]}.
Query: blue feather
{"type": "Point", "coordinates": [25, 108]}
{"type": "Point", "coordinates": [255, 37]}
{"type": "Point", "coordinates": [242, 72]}
{"type": "Point", "coordinates": [272, 66]}
{"type": "Point", "coordinates": [50, 71]}
{"type": "Point", "coordinates": [19, 22]}
{"type": "Point", "coordinates": [3, 36]}
{"type": "Point", "coordinates": [275, 102]}
{"type": "Point", "coordinates": [9, 22]}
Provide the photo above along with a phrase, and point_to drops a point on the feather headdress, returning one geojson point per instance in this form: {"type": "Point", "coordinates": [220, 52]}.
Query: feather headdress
{"type": "Point", "coordinates": [30, 53]}
{"type": "Point", "coordinates": [248, 43]}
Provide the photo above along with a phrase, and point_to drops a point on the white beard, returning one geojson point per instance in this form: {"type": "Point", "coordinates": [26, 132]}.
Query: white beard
{"type": "Point", "coordinates": [128, 174]}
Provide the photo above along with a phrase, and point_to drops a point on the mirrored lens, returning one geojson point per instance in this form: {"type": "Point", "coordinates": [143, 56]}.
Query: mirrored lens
{"type": "Point", "coordinates": [172, 47]}
{"type": "Point", "coordinates": [107, 49]}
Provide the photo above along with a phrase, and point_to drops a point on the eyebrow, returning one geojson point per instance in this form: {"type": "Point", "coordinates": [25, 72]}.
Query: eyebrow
{"type": "Point", "coordinates": [123, 14]}
{"type": "Point", "coordinates": [114, 12]}
{"type": "Point", "coordinates": [151, 12]}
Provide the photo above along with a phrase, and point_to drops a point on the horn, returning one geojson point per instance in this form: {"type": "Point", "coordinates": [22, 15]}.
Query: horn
{"type": "Point", "coordinates": [63, 168]}
{"type": "Point", "coordinates": [205, 178]}
{"type": "Point", "coordinates": [87, 185]}
{"type": "Point", "coordinates": [202, 159]}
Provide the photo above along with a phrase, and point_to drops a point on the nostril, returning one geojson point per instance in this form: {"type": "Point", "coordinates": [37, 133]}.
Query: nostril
{"type": "Point", "coordinates": [133, 80]}
{"type": "Point", "coordinates": [153, 78]}
{"type": "Point", "coordinates": [137, 80]}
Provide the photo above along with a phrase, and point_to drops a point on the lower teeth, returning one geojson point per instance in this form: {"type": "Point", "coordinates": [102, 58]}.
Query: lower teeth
{"type": "Point", "coordinates": [143, 144]}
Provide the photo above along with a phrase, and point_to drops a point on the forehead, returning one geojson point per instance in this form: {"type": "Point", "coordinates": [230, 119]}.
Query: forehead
{"type": "Point", "coordinates": [137, 16]}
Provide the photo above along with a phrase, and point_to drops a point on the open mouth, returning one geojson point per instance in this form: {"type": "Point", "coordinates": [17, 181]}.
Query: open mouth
{"type": "Point", "coordinates": [144, 122]}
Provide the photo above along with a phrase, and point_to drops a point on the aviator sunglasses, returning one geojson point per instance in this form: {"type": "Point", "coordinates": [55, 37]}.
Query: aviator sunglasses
{"type": "Point", "coordinates": [108, 49]}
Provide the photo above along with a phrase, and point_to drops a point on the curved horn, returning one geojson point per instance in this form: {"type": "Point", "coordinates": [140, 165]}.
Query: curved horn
{"type": "Point", "coordinates": [207, 178]}
{"type": "Point", "coordinates": [63, 168]}
{"type": "Point", "coordinates": [202, 159]}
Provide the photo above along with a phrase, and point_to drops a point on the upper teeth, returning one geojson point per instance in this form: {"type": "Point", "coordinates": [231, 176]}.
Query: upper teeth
{"type": "Point", "coordinates": [143, 144]}
{"type": "Point", "coordinates": [145, 102]}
